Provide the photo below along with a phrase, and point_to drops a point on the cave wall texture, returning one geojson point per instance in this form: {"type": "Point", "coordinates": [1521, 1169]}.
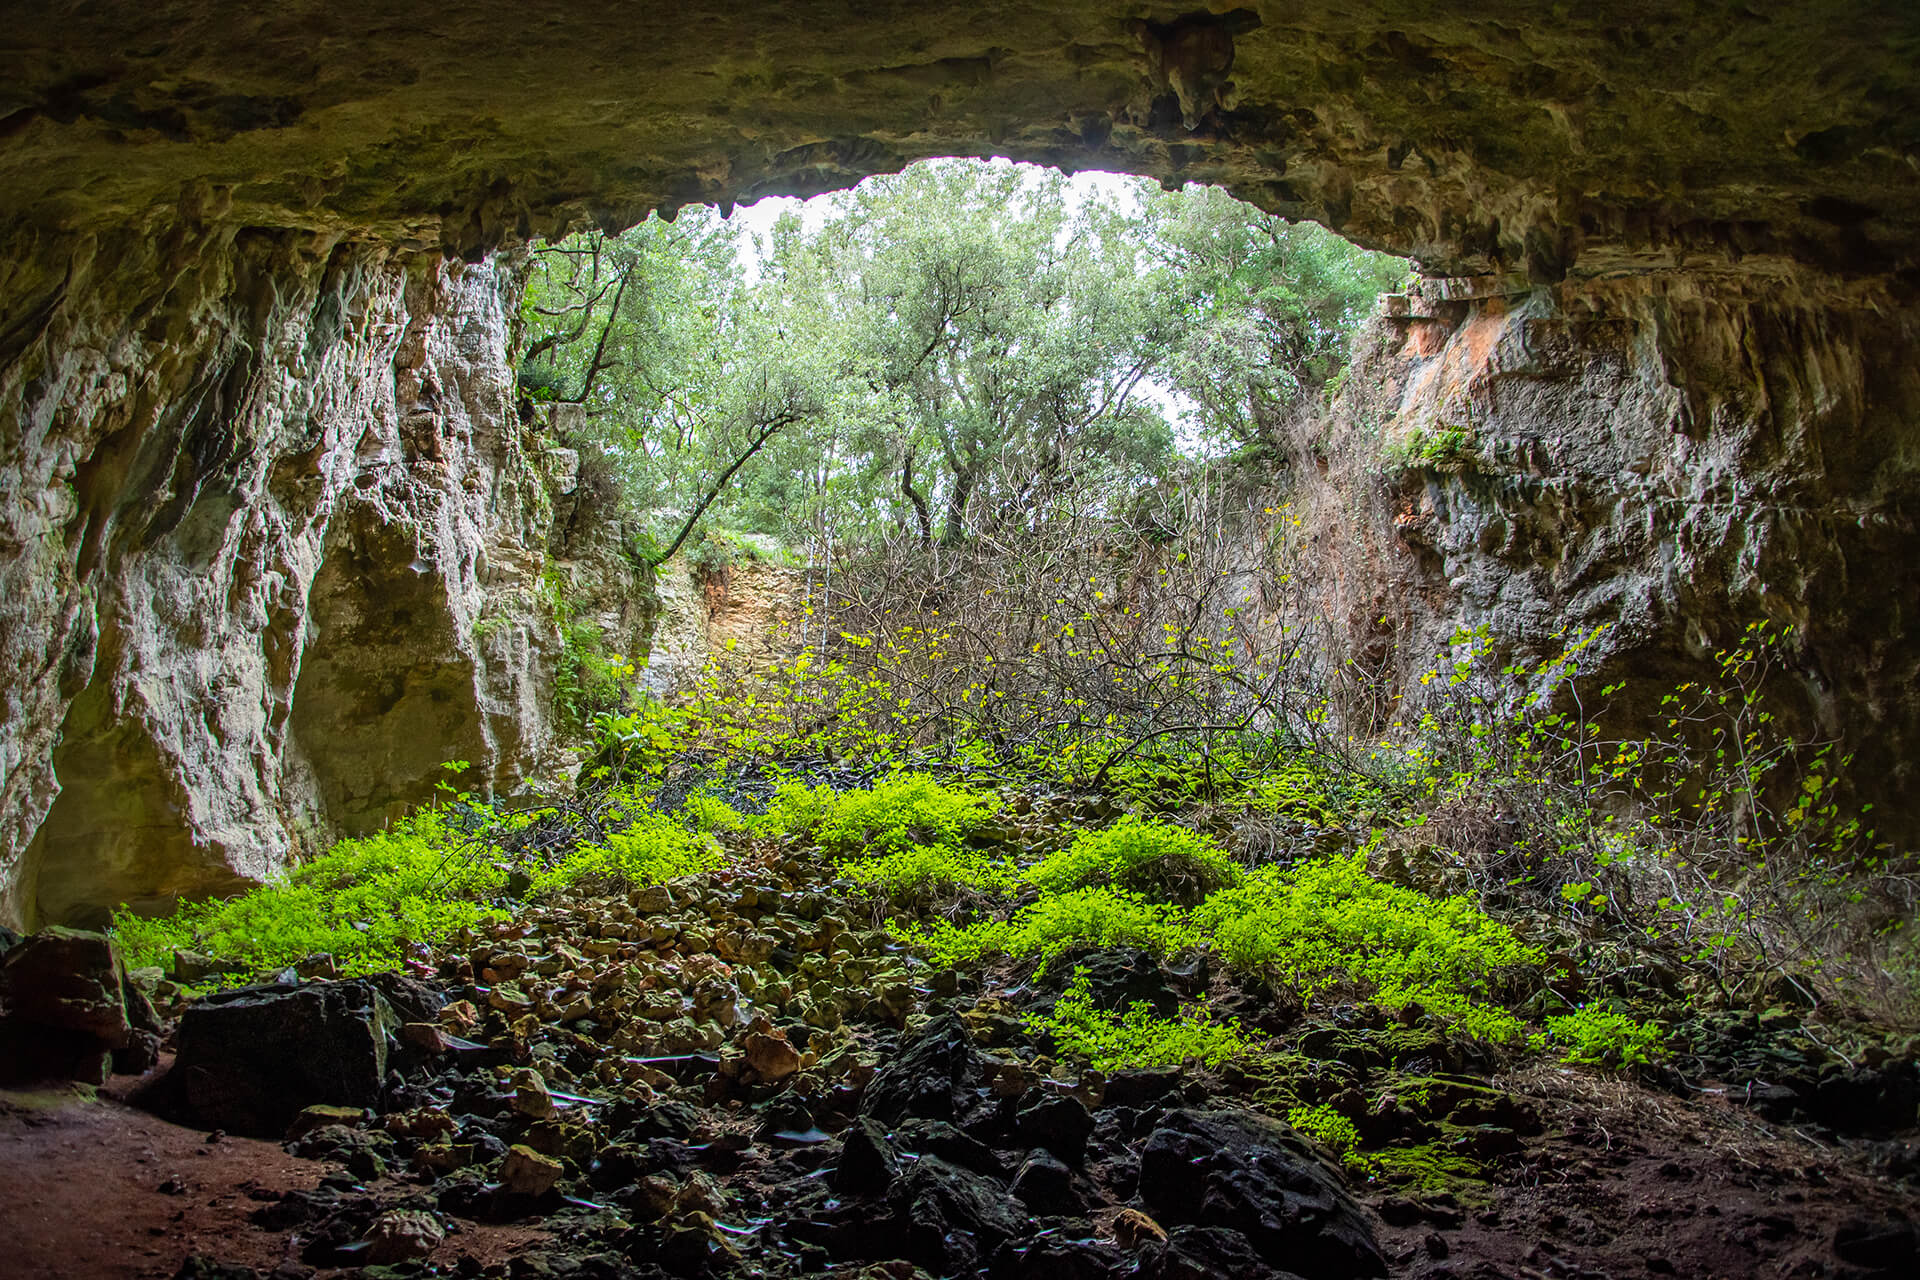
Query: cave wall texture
{"type": "Point", "coordinates": [259, 473]}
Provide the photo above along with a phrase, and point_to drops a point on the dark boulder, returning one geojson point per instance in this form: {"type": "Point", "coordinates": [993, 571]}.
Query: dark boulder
{"type": "Point", "coordinates": [1060, 1123]}
{"type": "Point", "coordinates": [1052, 1256]}
{"type": "Point", "coordinates": [1208, 1253]}
{"type": "Point", "coordinates": [867, 1160]}
{"type": "Point", "coordinates": [938, 1138]}
{"type": "Point", "coordinates": [937, 1075]}
{"type": "Point", "coordinates": [65, 1013]}
{"type": "Point", "coordinates": [1254, 1176]}
{"type": "Point", "coordinates": [950, 1220]}
{"type": "Point", "coordinates": [251, 1059]}
{"type": "Point", "coordinates": [1045, 1185]}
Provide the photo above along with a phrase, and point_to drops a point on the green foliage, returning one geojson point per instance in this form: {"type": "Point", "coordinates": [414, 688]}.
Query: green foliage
{"type": "Point", "coordinates": [917, 873]}
{"type": "Point", "coordinates": [900, 812]}
{"type": "Point", "coordinates": [1327, 1127]}
{"type": "Point", "coordinates": [1057, 924]}
{"type": "Point", "coordinates": [905, 838]}
{"type": "Point", "coordinates": [362, 902]}
{"type": "Point", "coordinates": [588, 681]}
{"type": "Point", "coordinates": [937, 350]}
{"type": "Point", "coordinates": [1437, 447]}
{"type": "Point", "coordinates": [1328, 922]}
{"type": "Point", "coordinates": [1154, 858]}
{"type": "Point", "coordinates": [653, 850]}
{"type": "Point", "coordinates": [1136, 1038]}
{"type": "Point", "coordinates": [710, 813]}
{"type": "Point", "coordinates": [1600, 1035]}
{"type": "Point", "coordinates": [796, 809]}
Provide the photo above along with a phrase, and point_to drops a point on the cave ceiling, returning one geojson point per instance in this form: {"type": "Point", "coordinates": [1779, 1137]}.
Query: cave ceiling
{"type": "Point", "coordinates": [1538, 141]}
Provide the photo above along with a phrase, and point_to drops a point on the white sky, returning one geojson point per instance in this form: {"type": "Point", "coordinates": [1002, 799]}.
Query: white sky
{"type": "Point", "coordinates": [1088, 185]}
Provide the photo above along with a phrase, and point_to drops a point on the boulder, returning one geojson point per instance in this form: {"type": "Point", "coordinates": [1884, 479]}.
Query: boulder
{"type": "Point", "coordinates": [867, 1160]}
{"type": "Point", "coordinates": [936, 1075]}
{"type": "Point", "coordinates": [950, 1219]}
{"type": "Point", "coordinates": [252, 1059]}
{"type": "Point", "coordinates": [1207, 1253]}
{"type": "Point", "coordinates": [525, 1172]}
{"type": "Point", "coordinates": [402, 1235]}
{"type": "Point", "coordinates": [1253, 1176]}
{"type": "Point", "coordinates": [1045, 1185]}
{"type": "Point", "coordinates": [62, 992]}
{"type": "Point", "coordinates": [1058, 1122]}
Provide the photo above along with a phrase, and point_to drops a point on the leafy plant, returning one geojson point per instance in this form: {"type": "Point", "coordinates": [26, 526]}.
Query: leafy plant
{"type": "Point", "coordinates": [1328, 922]}
{"type": "Point", "coordinates": [1156, 858]}
{"type": "Point", "coordinates": [362, 902]}
{"type": "Point", "coordinates": [1327, 1127]}
{"type": "Point", "coordinates": [653, 850]}
{"type": "Point", "coordinates": [899, 812]}
{"type": "Point", "coordinates": [1600, 1035]}
{"type": "Point", "coordinates": [1137, 1038]}
{"type": "Point", "coordinates": [1057, 924]}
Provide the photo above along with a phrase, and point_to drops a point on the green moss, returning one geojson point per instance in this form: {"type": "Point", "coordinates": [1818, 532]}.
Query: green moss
{"type": "Point", "coordinates": [361, 902]}
{"type": "Point", "coordinates": [1154, 858]}
{"type": "Point", "coordinates": [1081, 919]}
{"type": "Point", "coordinates": [1328, 922]}
{"type": "Point", "coordinates": [1137, 1038]}
{"type": "Point", "coordinates": [1425, 1169]}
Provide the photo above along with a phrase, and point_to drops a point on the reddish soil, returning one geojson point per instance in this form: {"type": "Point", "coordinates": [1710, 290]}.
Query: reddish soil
{"type": "Point", "coordinates": [1628, 1183]}
{"type": "Point", "coordinates": [93, 1189]}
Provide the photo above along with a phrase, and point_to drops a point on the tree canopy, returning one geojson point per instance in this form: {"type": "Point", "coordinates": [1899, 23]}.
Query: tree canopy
{"type": "Point", "coordinates": [957, 352]}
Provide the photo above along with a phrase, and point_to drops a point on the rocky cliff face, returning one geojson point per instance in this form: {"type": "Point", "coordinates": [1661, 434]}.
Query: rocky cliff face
{"type": "Point", "coordinates": [1664, 461]}
{"type": "Point", "coordinates": [257, 521]}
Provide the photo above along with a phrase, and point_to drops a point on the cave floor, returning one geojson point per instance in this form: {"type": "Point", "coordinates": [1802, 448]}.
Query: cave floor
{"type": "Point", "coordinates": [1622, 1182]}
{"type": "Point", "coordinates": [93, 1188]}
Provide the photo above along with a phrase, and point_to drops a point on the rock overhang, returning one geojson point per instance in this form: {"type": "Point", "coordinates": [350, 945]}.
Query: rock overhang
{"type": "Point", "coordinates": [1514, 138]}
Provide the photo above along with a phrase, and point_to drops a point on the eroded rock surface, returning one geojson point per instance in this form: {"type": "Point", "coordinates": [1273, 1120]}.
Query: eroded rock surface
{"type": "Point", "coordinates": [283, 534]}
{"type": "Point", "coordinates": [1664, 462]}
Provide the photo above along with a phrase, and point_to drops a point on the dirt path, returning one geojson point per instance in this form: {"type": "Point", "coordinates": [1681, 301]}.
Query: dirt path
{"type": "Point", "coordinates": [94, 1189]}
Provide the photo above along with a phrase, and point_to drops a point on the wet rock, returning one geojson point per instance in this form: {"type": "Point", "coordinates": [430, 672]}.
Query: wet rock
{"type": "Point", "coordinates": [250, 1059]}
{"type": "Point", "coordinates": [525, 1172]}
{"type": "Point", "coordinates": [867, 1160]}
{"type": "Point", "coordinates": [951, 1219]}
{"type": "Point", "coordinates": [1059, 1122]}
{"type": "Point", "coordinates": [1045, 1185]}
{"type": "Point", "coordinates": [402, 1235]}
{"type": "Point", "coordinates": [1251, 1175]}
{"type": "Point", "coordinates": [935, 1075]}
